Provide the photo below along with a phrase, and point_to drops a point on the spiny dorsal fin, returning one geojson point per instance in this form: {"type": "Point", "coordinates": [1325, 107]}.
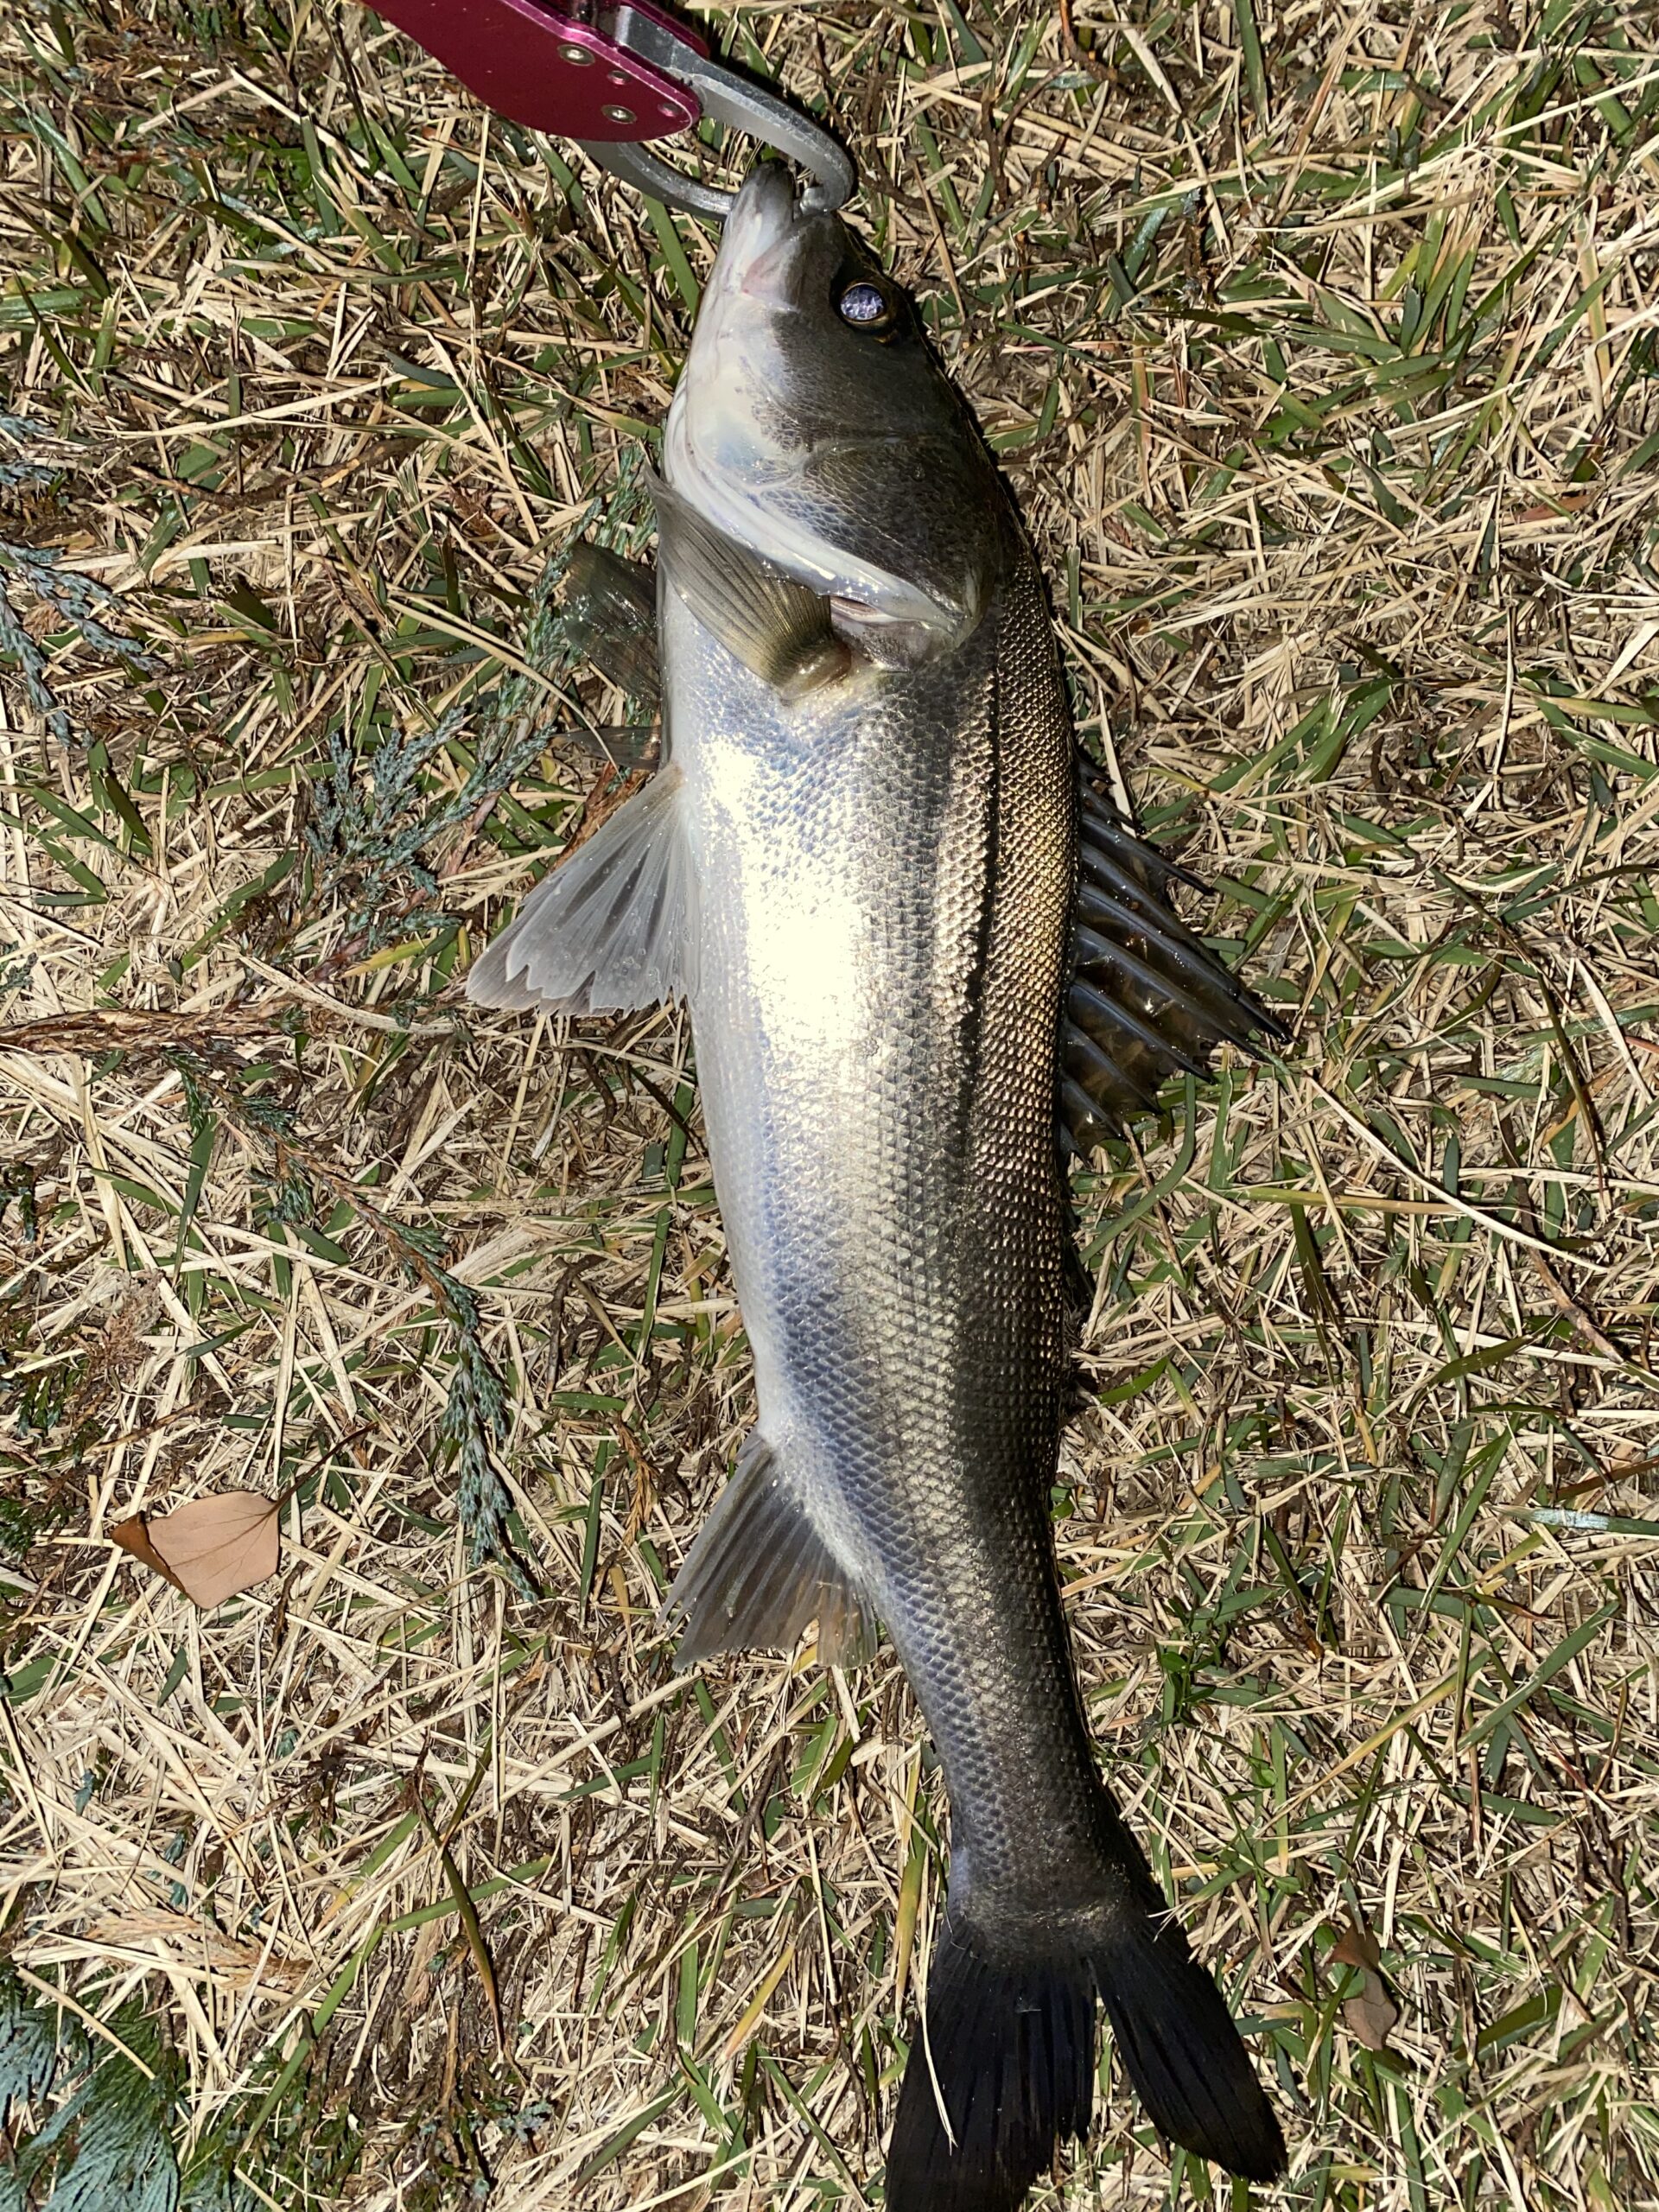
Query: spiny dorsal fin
{"type": "Point", "coordinates": [759, 1571]}
{"type": "Point", "coordinates": [765, 619]}
{"type": "Point", "coordinates": [611, 929]}
{"type": "Point", "coordinates": [1147, 997]}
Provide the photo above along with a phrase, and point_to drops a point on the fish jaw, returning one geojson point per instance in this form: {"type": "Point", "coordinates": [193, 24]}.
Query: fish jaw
{"type": "Point", "coordinates": [725, 436]}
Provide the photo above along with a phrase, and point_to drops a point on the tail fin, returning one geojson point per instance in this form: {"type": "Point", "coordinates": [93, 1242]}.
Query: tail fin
{"type": "Point", "coordinates": [1009, 2050]}
{"type": "Point", "coordinates": [1183, 2054]}
{"type": "Point", "coordinates": [1011, 2045]}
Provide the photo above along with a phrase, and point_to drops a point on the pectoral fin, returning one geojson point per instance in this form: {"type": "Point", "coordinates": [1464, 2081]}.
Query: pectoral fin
{"type": "Point", "coordinates": [611, 929]}
{"type": "Point", "coordinates": [764, 617]}
{"type": "Point", "coordinates": [759, 1571]}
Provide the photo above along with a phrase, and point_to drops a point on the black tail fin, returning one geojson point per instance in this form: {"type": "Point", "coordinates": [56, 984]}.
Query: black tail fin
{"type": "Point", "coordinates": [1012, 2046]}
{"type": "Point", "coordinates": [1009, 2049]}
{"type": "Point", "coordinates": [1181, 2049]}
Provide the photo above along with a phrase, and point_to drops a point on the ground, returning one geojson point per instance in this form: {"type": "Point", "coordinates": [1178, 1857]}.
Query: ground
{"type": "Point", "coordinates": [1318, 342]}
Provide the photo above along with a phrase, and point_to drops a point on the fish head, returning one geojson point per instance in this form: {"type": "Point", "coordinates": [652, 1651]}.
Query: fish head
{"type": "Point", "coordinates": [812, 424]}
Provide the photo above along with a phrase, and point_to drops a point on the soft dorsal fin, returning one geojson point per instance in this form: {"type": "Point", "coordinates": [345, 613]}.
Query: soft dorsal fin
{"type": "Point", "coordinates": [611, 930]}
{"type": "Point", "coordinates": [1147, 997]}
{"type": "Point", "coordinates": [759, 1571]}
{"type": "Point", "coordinates": [778, 627]}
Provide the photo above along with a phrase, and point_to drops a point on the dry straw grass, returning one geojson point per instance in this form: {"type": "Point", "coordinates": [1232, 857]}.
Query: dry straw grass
{"type": "Point", "coordinates": [1319, 343]}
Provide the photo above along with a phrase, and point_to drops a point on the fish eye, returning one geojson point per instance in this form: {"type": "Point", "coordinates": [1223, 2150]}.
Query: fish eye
{"type": "Point", "coordinates": [866, 305]}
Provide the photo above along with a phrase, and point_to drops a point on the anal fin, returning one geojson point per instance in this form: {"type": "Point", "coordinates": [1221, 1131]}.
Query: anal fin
{"type": "Point", "coordinates": [759, 1571]}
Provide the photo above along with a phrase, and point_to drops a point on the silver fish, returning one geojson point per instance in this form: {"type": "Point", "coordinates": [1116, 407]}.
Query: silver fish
{"type": "Point", "coordinates": [907, 939]}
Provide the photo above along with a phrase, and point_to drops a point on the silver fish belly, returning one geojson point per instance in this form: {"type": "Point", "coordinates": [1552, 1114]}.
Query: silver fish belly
{"type": "Point", "coordinates": [883, 908]}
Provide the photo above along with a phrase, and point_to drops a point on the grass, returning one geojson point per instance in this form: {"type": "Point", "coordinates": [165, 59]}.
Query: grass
{"type": "Point", "coordinates": [1318, 344]}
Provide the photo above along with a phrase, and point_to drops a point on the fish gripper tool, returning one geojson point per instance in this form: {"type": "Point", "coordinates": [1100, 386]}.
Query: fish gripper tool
{"type": "Point", "coordinates": [615, 78]}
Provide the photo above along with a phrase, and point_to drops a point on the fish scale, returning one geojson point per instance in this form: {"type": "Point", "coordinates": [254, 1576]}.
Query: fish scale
{"type": "Point", "coordinates": [859, 867]}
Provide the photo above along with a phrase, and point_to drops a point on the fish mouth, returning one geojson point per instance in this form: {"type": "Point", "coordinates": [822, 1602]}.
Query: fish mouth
{"type": "Point", "coordinates": [762, 246]}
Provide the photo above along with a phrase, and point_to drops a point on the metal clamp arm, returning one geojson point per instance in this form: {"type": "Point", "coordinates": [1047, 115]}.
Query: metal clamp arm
{"type": "Point", "coordinates": [732, 99]}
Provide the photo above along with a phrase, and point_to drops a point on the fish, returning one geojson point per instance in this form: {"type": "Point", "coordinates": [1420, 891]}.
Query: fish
{"type": "Point", "coordinates": [920, 954]}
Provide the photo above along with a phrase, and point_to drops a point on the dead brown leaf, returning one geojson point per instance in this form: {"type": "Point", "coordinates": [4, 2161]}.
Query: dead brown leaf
{"type": "Point", "coordinates": [183, 1945]}
{"type": "Point", "coordinates": [1556, 510]}
{"type": "Point", "coordinates": [1370, 2012]}
{"type": "Point", "coordinates": [211, 1549]}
